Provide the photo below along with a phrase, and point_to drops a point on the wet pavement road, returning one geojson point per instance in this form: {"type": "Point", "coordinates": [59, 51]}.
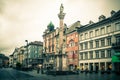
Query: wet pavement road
{"type": "Point", "coordinates": [88, 76]}
{"type": "Point", "coordinates": [12, 74]}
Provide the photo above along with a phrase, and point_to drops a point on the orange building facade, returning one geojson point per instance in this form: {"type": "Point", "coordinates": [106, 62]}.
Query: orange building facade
{"type": "Point", "coordinates": [72, 46]}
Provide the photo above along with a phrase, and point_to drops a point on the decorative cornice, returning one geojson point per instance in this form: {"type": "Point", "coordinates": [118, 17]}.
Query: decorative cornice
{"type": "Point", "coordinates": [113, 18]}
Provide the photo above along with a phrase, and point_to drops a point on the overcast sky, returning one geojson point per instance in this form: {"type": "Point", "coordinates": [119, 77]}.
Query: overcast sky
{"type": "Point", "coordinates": [22, 20]}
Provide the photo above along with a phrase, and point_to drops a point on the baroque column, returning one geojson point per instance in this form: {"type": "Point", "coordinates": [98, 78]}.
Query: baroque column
{"type": "Point", "coordinates": [61, 16]}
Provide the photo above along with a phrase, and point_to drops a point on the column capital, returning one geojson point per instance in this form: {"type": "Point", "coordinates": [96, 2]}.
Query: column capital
{"type": "Point", "coordinates": [61, 15]}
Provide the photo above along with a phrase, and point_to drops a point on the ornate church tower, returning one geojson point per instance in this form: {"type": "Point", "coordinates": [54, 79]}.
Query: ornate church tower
{"type": "Point", "coordinates": [61, 16]}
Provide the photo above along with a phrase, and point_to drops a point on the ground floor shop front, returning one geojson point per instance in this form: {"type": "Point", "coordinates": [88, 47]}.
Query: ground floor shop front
{"type": "Point", "coordinates": [96, 64]}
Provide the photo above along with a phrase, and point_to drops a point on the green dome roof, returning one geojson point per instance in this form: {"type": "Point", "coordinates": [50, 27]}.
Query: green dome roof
{"type": "Point", "coordinates": [50, 26]}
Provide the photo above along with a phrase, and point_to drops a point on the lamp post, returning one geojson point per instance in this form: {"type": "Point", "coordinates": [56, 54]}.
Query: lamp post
{"type": "Point", "coordinates": [27, 62]}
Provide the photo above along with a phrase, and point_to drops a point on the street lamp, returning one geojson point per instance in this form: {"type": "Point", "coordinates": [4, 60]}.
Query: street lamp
{"type": "Point", "coordinates": [27, 53]}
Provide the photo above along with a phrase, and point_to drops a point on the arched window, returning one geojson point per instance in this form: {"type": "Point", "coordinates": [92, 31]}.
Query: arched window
{"type": "Point", "coordinates": [71, 43]}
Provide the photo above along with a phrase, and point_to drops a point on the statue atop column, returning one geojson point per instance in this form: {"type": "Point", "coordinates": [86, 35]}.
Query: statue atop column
{"type": "Point", "coordinates": [61, 8]}
{"type": "Point", "coordinates": [61, 14]}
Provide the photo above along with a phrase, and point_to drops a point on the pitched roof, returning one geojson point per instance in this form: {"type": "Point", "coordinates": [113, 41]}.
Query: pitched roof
{"type": "Point", "coordinates": [73, 27]}
{"type": "Point", "coordinates": [36, 43]}
{"type": "Point", "coordinates": [112, 18]}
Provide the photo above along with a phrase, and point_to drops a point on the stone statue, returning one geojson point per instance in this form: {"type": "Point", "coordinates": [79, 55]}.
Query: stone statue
{"type": "Point", "coordinates": [61, 8]}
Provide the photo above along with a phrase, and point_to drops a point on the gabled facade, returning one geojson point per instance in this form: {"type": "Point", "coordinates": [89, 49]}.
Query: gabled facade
{"type": "Point", "coordinates": [34, 52]}
{"type": "Point", "coordinates": [49, 46]}
{"type": "Point", "coordinates": [29, 56]}
{"type": "Point", "coordinates": [72, 46]}
{"type": "Point", "coordinates": [17, 57]}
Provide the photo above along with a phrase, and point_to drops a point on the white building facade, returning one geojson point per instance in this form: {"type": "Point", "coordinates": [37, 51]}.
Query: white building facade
{"type": "Point", "coordinates": [95, 43]}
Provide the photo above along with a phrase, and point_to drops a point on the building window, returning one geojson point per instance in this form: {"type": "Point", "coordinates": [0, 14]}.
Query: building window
{"type": "Point", "coordinates": [81, 55]}
{"type": "Point", "coordinates": [118, 40]}
{"type": "Point", "coordinates": [117, 26]}
{"type": "Point", "coordinates": [86, 55]}
{"type": "Point", "coordinates": [108, 29]}
{"type": "Point", "coordinates": [109, 41]}
{"type": "Point", "coordinates": [35, 51]}
{"type": "Point", "coordinates": [102, 54]}
{"type": "Point", "coordinates": [91, 54]}
{"type": "Point", "coordinates": [86, 45]}
{"type": "Point", "coordinates": [102, 42]}
{"type": "Point", "coordinates": [71, 43]}
{"type": "Point", "coordinates": [108, 53]}
{"type": "Point", "coordinates": [81, 46]}
{"type": "Point", "coordinates": [97, 32]}
{"type": "Point", "coordinates": [53, 47]}
{"type": "Point", "coordinates": [91, 44]}
{"type": "Point", "coordinates": [97, 43]}
{"type": "Point", "coordinates": [91, 34]}
{"type": "Point", "coordinates": [102, 31]}
{"type": "Point", "coordinates": [86, 35]}
{"type": "Point", "coordinates": [97, 54]}
{"type": "Point", "coordinates": [81, 36]}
